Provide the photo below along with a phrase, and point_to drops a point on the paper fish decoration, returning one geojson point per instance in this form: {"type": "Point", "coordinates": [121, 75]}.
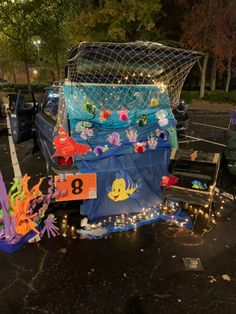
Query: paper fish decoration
{"type": "Point", "coordinates": [131, 134]}
{"type": "Point", "coordinates": [123, 187]}
{"type": "Point", "coordinates": [154, 102]}
{"type": "Point", "coordinates": [99, 150]}
{"type": "Point", "coordinates": [114, 139]}
{"type": "Point", "coordinates": [161, 117]}
{"type": "Point", "coordinates": [123, 114]}
{"type": "Point", "coordinates": [89, 107]}
{"type": "Point", "coordinates": [152, 142]}
{"type": "Point", "coordinates": [105, 114]}
{"type": "Point", "coordinates": [66, 147]}
{"type": "Point", "coordinates": [199, 185]}
{"type": "Point", "coordinates": [168, 181]}
{"type": "Point", "coordinates": [140, 147]}
{"type": "Point", "coordinates": [143, 120]}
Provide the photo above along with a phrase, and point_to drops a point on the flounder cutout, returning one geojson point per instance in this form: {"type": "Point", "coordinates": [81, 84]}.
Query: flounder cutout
{"type": "Point", "coordinates": [123, 187]}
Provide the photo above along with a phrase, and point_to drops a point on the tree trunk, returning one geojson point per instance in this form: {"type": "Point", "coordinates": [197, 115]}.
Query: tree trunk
{"type": "Point", "coordinates": [14, 76]}
{"type": "Point", "coordinates": [58, 69]}
{"type": "Point", "coordinates": [203, 75]}
{"type": "Point", "coordinates": [213, 74]}
{"type": "Point", "coordinates": [27, 75]}
{"type": "Point", "coordinates": [229, 63]}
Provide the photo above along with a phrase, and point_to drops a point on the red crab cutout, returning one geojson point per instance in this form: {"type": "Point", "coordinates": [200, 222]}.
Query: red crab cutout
{"type": "Point", "coordinates": [66, 147]}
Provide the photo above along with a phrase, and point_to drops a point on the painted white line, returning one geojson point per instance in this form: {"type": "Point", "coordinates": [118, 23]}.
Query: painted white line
{"type": "Point", "coordinates": [210, 115]}
{"type": "Point", "coordinates": [202, 140]}
{"type": "Point", "coordinates": [14, 159]}
{"type": "Point", "coordinates": [189, 141]}
{"type": "Point", "coordinates": [210, 126]}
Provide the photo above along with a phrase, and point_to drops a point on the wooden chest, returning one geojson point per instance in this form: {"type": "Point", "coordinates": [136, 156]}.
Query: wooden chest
{"type": "Point", "coordinates": [197, 174]}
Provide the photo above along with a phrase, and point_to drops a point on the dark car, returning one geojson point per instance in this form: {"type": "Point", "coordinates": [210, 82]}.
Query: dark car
{"type": "Point", "coordinates": [22, 112]}
{"type": "Point", "coordinates": [181, 116]}
{"type": "Point", "coordinates": [28, 119]}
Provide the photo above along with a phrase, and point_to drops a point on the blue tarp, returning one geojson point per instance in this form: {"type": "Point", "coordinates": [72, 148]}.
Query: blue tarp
{"type": "Point", "coordinates": [127, 180]}
{"type": "Point", "coordinates": [143, 171]}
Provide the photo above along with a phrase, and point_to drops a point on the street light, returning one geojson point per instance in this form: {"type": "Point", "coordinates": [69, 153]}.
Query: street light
{"type": "Point", "coordinates": [37, 43]}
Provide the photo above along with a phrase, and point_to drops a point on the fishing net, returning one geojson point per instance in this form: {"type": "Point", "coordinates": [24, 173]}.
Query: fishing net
{"type": "Point", "coordinates": [112, 87]}
{"type": "Point", "coordinates": [151, 66]}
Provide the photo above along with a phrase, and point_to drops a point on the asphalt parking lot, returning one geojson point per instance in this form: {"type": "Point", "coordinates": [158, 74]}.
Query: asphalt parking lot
{"type": "Point", "coordinates": [139, 271]}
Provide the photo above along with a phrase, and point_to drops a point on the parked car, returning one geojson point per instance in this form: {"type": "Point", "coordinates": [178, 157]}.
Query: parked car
{"type": "Point", "coordinates": [22, 109]}
{"type": "Point", "coordinates": [29, 119]}
{"type": "Point", "coordinates": [39, 121]}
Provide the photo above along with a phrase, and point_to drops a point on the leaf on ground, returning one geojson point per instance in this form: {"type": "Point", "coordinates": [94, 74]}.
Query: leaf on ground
{"type": "Point", "coordinates": [63, 250]}
{"type": "Point", "coordinates": [226, 277]}
{"type": "Point", "coordinates": [212, 279]}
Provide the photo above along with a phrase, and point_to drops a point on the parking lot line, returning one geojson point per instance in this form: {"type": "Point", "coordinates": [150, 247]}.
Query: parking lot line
{"type": "Point", "coordinates": [202, 140]}
{"type": "Point", "coordinates": [211, 126]}
{"type": "Point", "coordinates": [14, 159]}
{"type": "Point", "coordinates": [189, 141]}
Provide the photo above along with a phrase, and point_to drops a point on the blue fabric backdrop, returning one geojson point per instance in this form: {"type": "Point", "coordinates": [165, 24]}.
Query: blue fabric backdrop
{"type": "Point", "coordinates": [146, 169]}
{"type": "Point", "coordinates": [127, 180]}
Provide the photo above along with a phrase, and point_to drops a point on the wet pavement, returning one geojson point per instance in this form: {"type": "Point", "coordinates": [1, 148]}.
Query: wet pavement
{"type": "Point", "coordinates": [140, 271]}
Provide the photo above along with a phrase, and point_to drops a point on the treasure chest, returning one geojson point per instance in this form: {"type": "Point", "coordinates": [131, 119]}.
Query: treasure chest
{"type": "Point", "coordinates": [197, 174]}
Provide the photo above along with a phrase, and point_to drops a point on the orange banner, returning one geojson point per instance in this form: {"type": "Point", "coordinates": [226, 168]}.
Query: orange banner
{"type": "Point", "coordinates": [76, 187]}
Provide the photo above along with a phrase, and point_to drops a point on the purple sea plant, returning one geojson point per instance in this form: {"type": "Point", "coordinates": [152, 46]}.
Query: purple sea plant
{"type": "Point", "coordinates": [152, 142]}
{"type": "Point", "coordinates": [114, 139]}
{"type": "Point", "coordinates": [4, 205]}
{"type": "Point", "coordinates": [131, 134]}
{"type": "Point", "coordinates": [49, 226]}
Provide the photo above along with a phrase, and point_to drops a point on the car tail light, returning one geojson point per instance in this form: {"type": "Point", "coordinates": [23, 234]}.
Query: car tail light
{"type": "Point", "coordinates": [63, 162]}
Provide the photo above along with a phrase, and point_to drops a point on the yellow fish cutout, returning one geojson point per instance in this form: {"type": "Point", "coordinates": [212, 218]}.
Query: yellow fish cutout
{"type": "Point", "coordinates": [154, 102]}
{"type": "Point", "coordinates": [123, 188]}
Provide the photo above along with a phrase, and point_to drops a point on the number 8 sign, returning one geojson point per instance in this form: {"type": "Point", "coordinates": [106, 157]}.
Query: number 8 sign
{"type": "Point", "coordinates": [76, 187]}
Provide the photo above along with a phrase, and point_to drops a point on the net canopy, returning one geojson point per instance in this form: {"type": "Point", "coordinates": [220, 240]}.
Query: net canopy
{"type": "Point", "coordinates": [135, 63]}
{"type": "Point", "coordinates": [118, 98]}
{"type": "Point", "coordinates": [117, 94]}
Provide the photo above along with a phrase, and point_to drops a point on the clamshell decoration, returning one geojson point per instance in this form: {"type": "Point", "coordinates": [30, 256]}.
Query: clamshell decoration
{"type": "Point", "coordinates": [161, 116]}
{"type": "Point", "coordinates": [132, 134]}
